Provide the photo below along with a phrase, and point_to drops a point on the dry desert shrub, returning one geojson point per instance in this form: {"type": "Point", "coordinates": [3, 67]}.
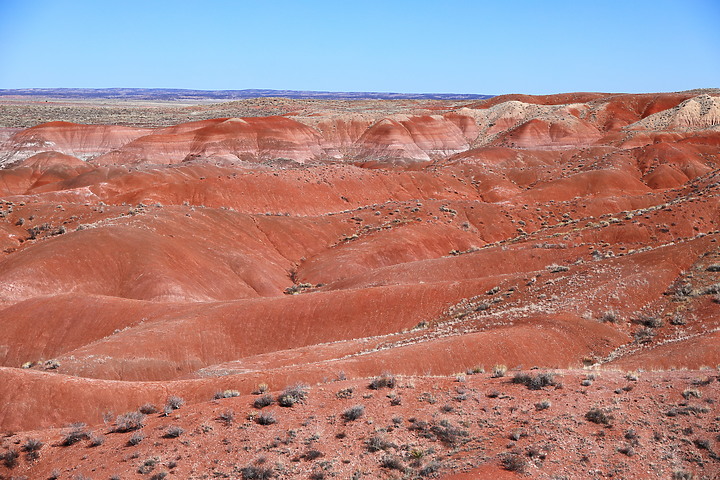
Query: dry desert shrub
{"type": "Point", "coordinates": [392, 462]}
{"type": "Point", "coordinates": [97, 440]}
{"type": "Point", "coordinates": [262, 388]}
{"type": "Point", "coordinates": [10, 458]}
{"type": "Point", "coordinates": [691, 392]}
{"type": "Point", "coordinates": [311, 455]}
{"type": "Point", "coordinates": [353, 413]}
{"type": "Point", "coordinates": [226, 394]}
{"type": "Point", "coordinates": [598, 416]}
{"type": "Point", "coordinates": [129, 421]}
{"type": "Point", "coordinates": [682, 475]}
{"type": "Point", "coordinates": [610, 316]}
{"type": "Point", "coordinates": [227, 417]}
{"type": "Point", "coordinates": [555, 268]}
{"type": "Point", "coordinates": [499, 371]}
{"type": "Point", "coordinates": [136, 438]}
{"type": "Point", "coordinates": [377, 443]}
{"type": "Point", "coordinates": [385, 380]}
{"type": "Point", "coordinates": [345, 393]}
{"type": "Point", "coordinates": [265, 418]}
{"type": "Point", "coordinates": [294, 394]}
{"type": "Point", "coordinates": [443, 431]}
{"type": "Point", "coordinates": [148, 409]}
{"type": "Point", "coordinates": [649, 321]}
{"type": "Point", "coordinates": [264, 401]}
{"type": "Point", "coordinates": [75, 433]}
{"type": "Point", "coordinates": [534, 382]}
{"type": "Point", "coordinates": [174, 402]}
{"type": "Point", "coordinates": [644, 335]}
{"type": "Point", "coordinates": [514, 463]}
{"type": "Point", "coordinates": [32, 445]}
{"type": "Point", "coordinates": [173, 431]}
{"type": "Point", "coordinates": [430, 468]}
{"type": "Point", "coordinates": [257, 472]}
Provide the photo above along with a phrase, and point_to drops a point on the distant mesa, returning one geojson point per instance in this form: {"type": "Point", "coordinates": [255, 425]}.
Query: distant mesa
{"type": "Point", "coordinates": [170, 94]}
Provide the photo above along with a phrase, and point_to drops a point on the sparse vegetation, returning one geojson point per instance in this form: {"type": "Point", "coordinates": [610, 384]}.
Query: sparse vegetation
{"type": "Point", "coordinates": [129, 421]}
{"type": "Point", "coordinates": [385, 380]}
{"type": "Point", "coordinates": [227, 417]}
{"type": "Point", "coordinates": [264, 401]}
{"type": "Point", "coordinates": [10, 458]}
{"type": "Point", "coordinates": [311, 455]}
{"type": "Point", "coordinates": [702, 444]}
{"type": "Point", "coordinates": [678, 319]}
{"type": "Point", "coordinates": [136, 438]}
{"type": "Point", "coordinates": [294, 394]}
{"type": "Point", "coordinates": [148, 465]}
{"type": "Point", "coordinates": [598, 416]}
{"type": "Point", "coordinates": [443, 431]}
{"type": "Point", "coordinates": [173, 431]}
{"type": "Point", "coordinates": [430, 468]}
{"type": "Point", "coordinates": [621, 307]}
{"type": "Point", "coordinates": [555, 268]}
{"type": "Point", "coordinates": [75, 433]}
{"type": "Point", "coordinates": [649, 321]}
{"type": "Point", "coordinates": [377, 443]}
{"type": "Point", "coordinates": [265, 418]}
{"type": "Point", "coordinates": [534, 382]}
{"type": "Point", "coordinates": [682, 475]}
{"type": "Point", "coordinates": [691, 392]}
{"type": "Point", "coordinates": [627, 450]}
{"type": "Point", "coordinates": [514, 463]}
{"type": "Point", "coordinates": [392, 462]}
{"type": "Point", "coordinates": [32, 445]}
{"type": "Point", "coordinates": [353, 413]}
{"type": "Point", "coordinates": [226, 394]}
{"type": "Point", "coordinates": [610, 316]}
{"type": "Point", "coordinates": [174, 402]}
{"type": "Point", "coordinates": [148, 409]}
{"type": "Point", "coordinates": [345, 393]}
{"type": "Point", "coordinates": [644, 335]}
{"type": "Point", "coordinates": [257, 472]}
{"type": "Point", "coordinates": [499, 371]}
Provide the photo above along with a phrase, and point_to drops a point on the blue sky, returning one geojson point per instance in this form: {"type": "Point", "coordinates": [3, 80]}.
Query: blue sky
{"type": "Point", "coordinates": [453, 46]}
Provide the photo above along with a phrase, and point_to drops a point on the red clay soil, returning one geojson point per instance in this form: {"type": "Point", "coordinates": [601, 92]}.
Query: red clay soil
{"type": "Point", "coordinates": [572, 234]}
{"type": "Point", "coordinates": [566, 423]}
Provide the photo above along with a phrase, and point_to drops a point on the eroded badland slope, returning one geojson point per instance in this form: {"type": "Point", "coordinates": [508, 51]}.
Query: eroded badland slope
{"type": "Point", "coordinates": [572, 238]}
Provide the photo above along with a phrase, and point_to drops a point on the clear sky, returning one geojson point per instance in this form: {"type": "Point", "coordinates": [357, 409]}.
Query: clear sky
{"type": "Point", "coordinates": [450, 46]}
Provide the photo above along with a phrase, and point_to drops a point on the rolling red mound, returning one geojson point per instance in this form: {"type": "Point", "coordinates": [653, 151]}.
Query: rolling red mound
{"type": "Point", "coordinates": [560, 232]}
